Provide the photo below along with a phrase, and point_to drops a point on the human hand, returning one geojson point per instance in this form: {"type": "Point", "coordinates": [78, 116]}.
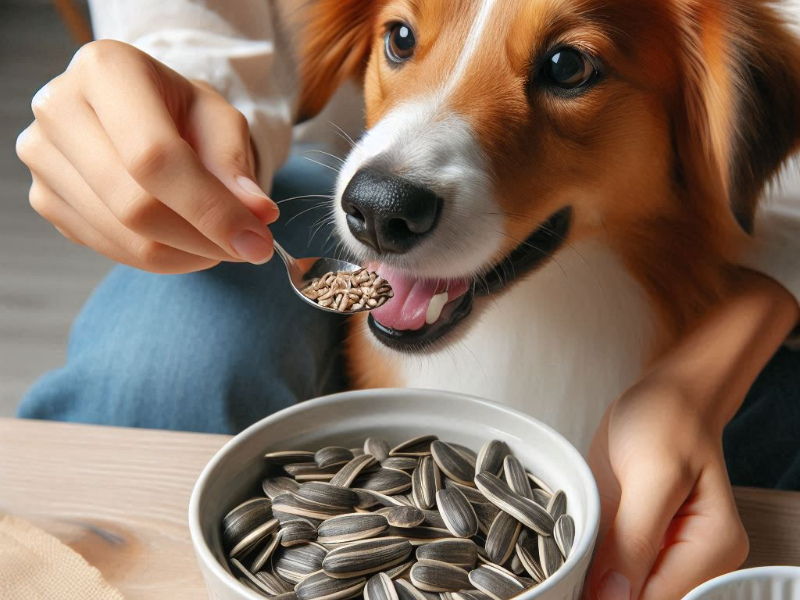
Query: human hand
{"type": "Point", "coordinates": [144, 166]}
{"type": "Point", "coordinates": [668, 514]}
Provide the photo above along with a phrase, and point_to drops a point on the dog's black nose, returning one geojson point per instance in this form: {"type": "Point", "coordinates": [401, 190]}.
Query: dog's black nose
{"type": "Point", "coordinates": [389, 213]}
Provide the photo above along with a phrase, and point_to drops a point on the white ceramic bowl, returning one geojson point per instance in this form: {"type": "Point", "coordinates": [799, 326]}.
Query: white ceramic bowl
{"type": "Point", "coordinates": [765, 583]}
{"type": "Point", "coordinates": [236, 471]}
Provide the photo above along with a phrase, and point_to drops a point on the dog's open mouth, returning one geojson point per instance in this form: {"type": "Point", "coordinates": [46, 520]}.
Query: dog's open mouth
{"type": "Point", "coordinates": [423, 311]}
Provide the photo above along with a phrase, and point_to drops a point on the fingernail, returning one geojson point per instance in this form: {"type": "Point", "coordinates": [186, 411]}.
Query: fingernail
{"type": "Point", "coordinates": [614, 586]}
{"type": "Point", "coordinates": [251, 187]}
{"type": "Point", "coordinates": [252, 247]}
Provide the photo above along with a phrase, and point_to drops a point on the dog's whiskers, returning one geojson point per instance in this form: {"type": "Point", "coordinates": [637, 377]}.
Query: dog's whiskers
{"type": "Point", "coordinates": [321, 164]}
{"type": "Point", "coordinates": [302, 212]}
{"type": "Point", "coordinates": [306, 197]}
{"type": "Point", "coordinates": [343, 134]}
{"type": "Point", "coordinates": [333, 156]}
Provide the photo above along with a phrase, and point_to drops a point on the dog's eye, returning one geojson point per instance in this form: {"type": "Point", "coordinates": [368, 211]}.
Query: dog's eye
{"type": "Point", "coordinates": [400, 43]}
{"type": "Point", "coordinates": [568, 69]}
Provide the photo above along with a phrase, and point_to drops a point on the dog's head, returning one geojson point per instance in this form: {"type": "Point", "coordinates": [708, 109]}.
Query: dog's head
{"type": "Point", "coordinates": [499, 130]}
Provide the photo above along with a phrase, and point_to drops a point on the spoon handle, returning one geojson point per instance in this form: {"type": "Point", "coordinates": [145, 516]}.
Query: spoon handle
{"type": "Point", "coordinates": [288, 259]}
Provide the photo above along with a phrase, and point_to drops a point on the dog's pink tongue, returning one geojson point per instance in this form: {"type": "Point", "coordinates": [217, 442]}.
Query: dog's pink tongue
{"type": "Point", "coordinates": [408, 309]}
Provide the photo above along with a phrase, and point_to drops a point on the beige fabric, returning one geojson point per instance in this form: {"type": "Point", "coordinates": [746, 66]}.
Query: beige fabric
{"type": "Point", "coordinates": [36, 566]}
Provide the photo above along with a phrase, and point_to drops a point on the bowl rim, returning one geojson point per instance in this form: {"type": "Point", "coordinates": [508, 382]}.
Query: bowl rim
{"type": "Point", "coordinates": [755, 573]}
{"type": "Point", "coordinates": [203, 550]}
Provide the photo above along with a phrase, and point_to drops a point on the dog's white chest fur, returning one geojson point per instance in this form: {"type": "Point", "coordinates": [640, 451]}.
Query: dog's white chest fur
{"type": "Point", "coordinates": [561, 345]}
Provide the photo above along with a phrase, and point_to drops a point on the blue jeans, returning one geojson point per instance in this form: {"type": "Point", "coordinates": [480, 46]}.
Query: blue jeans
{"type": "Point", "coordinates": [213, 351]}
{"type": "Point", "coordinates": [218, 350]}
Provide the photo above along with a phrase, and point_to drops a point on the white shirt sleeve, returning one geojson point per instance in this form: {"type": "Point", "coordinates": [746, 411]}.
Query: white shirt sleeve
{"type": "Point", "coordinates": [239, 47]}
{"type": "Point", "coordinates": [775, 250]}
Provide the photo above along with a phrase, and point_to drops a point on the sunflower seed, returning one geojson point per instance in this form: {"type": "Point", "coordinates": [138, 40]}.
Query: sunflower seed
{"type": "Point", "coordinates": [557, 505]}
{"type": "Point", "coordinates": [274, 584]}
{"type": "Point", "coordinates": [250, 585]}
{"type": "Point", "coordinates": [401, 463]}
{"type": "Point", "coordinates": [399, 570]}
{"type": "Point", "coordinates": [541, 498]}
{"type": "Point", "coordinates": [419, 535]}
{"type": "Point", "coordinates": [357, 451]}
{"type": "Point", "coordinates": [452, 463]}
{"type": "Point", "coordinates": [433, 519]}
{"type": "Point", "coordinates": [252, 581]}
{"type": "Point", "coordinates": [249, 541]}
{"type": "Point", "coordinates": [297, 531]}
{"type": "Point", "coordinates": [327, 495]}
{"type": "Point", "coordinates": [402, 516]}
{"type": "Point", "coordinates": [473, 495]}
{"type": "Point", "coordinates": [310, 471]}
{"type": "Point", "coordinates": [471, 595]}
{"type": "Point", "coordinates": [286, 457]}
{"type": "Point", "coordinates": [418, 446]}
{"type": "Point", "coordinates": [564, 534]}
{"type": "Point", "coordinates": [467, 453]}
{"type": "Point", "coordinates": [321, 587]}
{"type": "Point", "coordinates": [502, 538]}
{"type": "Point", "coordinates": [275, 486]}
{"type": "Point", "coordinates": [549, 555]}
{"type": "Point", "coordinates": [490, 458]}
{"type": "Point", "coordinates": [459, 552]}
{"type": "Point", "coordinates": [530, 563]}
{"type": "Point", "coordinates": [407, 591]}
{"type": "Point", "coordinates": [526, 511]}
{"type": "Point", "coordinates": [486, 514]}
{"type": "Point", "coordinates": [287, 596]}
{"type": "Point", "coordinates": [350, 528]}
{"type": "Point", "coordinates": [457, 512]}
{"type": "Point", "coordinates": [298, 562]}
{"type": "Point", "coordinates": [244, 518]}
{"type": "Point", "coordinates": [496, 582]}
{"type": "Point", "coordinates": [367, 556]}
{"type": "Point", "coordinates": [515, 565]}
{"type": "Point", "coordinates": [515, 476]}
{"type": "Point", "coordinates": [350, 471]}
{"type": "Point", "coordinates": [332, 456]}
{"type": "Point", "coordinates": [295, 505]}
{"type": "Point", "coordinates": [264, 555]}
{"type": "Point", "coordinates": [380, 587]}
{"type": "Point", "coordinates": [424, 483]}
{"type": "Point", "coordinates": [377, 448]}
{"type": "Point", "coordinates": [538, 483]}
{"type": "Point", "coordinates": [384, 481]}
{"type": "Point", "coordinates": [436, 576]}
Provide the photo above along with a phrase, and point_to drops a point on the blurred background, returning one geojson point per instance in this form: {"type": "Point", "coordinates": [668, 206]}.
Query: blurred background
{"type": "Point", "coordinates": [44, 279]}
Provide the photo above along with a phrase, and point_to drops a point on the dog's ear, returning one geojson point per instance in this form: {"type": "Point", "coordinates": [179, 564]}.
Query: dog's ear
{"type": "Point", "coordinates": [740, 99]}
{"type": "Point", "coordinates": [334, 42]}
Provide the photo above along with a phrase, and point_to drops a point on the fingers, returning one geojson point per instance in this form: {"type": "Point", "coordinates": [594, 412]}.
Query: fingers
{"type": "Point", "coordinates": [650, 497]}
{"type": "Point", "coordinates": [142, 128]}
{"type": "Point", "coordinates": [91, 224]}
{"type": "Point", "coordinates": [705, 540]}
{"type": "Point", "coordinates": [95, 159]}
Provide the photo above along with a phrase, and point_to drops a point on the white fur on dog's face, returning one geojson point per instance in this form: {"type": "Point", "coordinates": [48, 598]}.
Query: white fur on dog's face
{"type": "Point", "coordinates": [424, 143]}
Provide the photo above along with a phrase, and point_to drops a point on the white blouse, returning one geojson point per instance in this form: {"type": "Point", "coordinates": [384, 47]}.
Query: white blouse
{"type": "Point", "coordinates": [232, 44]}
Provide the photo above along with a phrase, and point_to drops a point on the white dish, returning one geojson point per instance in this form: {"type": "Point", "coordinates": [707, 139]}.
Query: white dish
{"type": "Point", "coordinates": [235, 472]}
{"type": "Point", "coordinates": [764, 583]}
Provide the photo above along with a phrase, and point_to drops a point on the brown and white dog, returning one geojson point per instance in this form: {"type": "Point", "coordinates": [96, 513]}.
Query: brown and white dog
{"type": "Point", "coordinates": [556, 189]}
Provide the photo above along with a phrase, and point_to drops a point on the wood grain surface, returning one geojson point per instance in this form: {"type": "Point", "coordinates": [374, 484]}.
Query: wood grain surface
{"type": "Point", "coordinates": [119, 497]}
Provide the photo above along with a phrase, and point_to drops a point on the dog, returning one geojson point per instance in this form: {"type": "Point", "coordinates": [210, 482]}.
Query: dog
{"type": "Point", "coordinates": [555, 189]}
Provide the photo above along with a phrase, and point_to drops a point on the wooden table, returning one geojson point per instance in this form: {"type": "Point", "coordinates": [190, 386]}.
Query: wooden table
{"type": "Point", "coordinates": [119, 497]}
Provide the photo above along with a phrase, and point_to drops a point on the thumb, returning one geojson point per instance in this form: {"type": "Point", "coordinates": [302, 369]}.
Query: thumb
{"type": "Point", "coordinates": [627, 554]}
{"type": "Point", "coordinates": [220, 135]}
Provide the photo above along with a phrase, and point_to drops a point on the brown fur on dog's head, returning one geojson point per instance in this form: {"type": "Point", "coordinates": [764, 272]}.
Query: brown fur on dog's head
{"type": "Point", "coordinates": [664, 160]}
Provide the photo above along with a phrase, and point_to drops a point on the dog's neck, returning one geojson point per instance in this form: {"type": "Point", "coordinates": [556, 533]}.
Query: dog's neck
{"type": "Point", "coordinates": [559, 345]}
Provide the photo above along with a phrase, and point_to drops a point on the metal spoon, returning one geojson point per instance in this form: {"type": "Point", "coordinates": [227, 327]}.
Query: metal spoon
{"type": "Point", "coordinates": [302, 271]}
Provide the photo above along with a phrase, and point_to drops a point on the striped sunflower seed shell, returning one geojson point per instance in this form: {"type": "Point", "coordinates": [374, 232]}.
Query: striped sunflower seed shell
{"type": "Point", "coordinates": [549, 555]}
{"type": "Point", "coordinates": [452, 463]}
{"type": "Point", "coordinates": [400, 463]}
{"type": "Point", "coordinates": [321, 587]}
{"type": "Point", "coordinates": [407, 591]}
{"type": "Point", "coordinates": [380, 587]}
{"type": "Point", "coordinates": [351, 528]}
{"type": "Point", "coordinates": [345, 476]}
{"type": "Point", "coordinates": [436, 576]}
{"type": "Point", "coordinates": [377, 448]}
{"type": "Point", "coordinates": [502, 538]}
{"type": "Point", "coordinates": [419, 535]}
{"type": "Point", "coordinates": [530, 564]}
{"type": "Point", "coordinates": [266, 552]}
{"type": "Point", "coordinates": [275, 486]}
{"type": "Point", "coordinates": [457, 512]}
{"type": "Point", "coordinates": [459, 552]}
{"type": "Point", "coordinates": [244, 518]}
{"type": "Point", "coordinates": [384, 481]}
{"type": "Point", "coordinates": [295, 505]}
{"type": "Point", "coordinates": [332, 456]}
{"type": "Point", "coordinates": [327, 495]}
{"type": "Point", "coordinates": [564, 534]}
{"type": "Point", "coordinates": [287, 457]}
{"type": "Point", "coordinates": [523, 510]}
{"type": "Point", "coordinates": [296, 563]}
{"type": "Point", "coordinates": [297, 531]}
{"type": "Point", "coordinates": [473, 495]}
{"type": "Point", "coordinates": [557, 505]}
{"type": "Point", "coordinates": [367, 556]}
{"type": "Point", "coordinates": [515, 476]}
{"type": "Point", "coordinates": [490, 458]}
{"type": "Point", "coordinates": [274, 584]}
{"type": "Point", "coordinates": [495, 581]}
{"type": "Point", "coordinates": [402, 516]}
{"type": "Point", "coordinates": [252, 539]}
{"type": "Point", "coordinates": [418, 446]}
{"type": "Point", "coordinates": [426, 480]}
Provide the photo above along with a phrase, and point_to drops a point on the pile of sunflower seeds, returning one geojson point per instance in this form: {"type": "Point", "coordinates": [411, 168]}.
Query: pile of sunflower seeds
{"type": "Point", "coordinates": [349, 291]}
{"type": "Point", "coordinates": [425, 520]}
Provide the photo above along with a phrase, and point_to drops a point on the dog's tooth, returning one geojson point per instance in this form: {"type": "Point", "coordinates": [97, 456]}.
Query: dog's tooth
{"type": "Point", "coordinates": [436, 307]}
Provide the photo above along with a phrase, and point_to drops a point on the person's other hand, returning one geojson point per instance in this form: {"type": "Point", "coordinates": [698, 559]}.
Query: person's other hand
{"type": "Point", "coordinates": [669, 521]}
{"type": "Point", "coordinates": [144, 166]}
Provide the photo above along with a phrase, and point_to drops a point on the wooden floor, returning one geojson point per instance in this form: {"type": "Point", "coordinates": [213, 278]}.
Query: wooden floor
{"type": "Point", "coordinates": [43, 279]}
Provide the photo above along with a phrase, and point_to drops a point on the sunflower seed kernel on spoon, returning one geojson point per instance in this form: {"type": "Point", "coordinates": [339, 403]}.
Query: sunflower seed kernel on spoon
{"type": "Point", "coordinates": [380, 587]}
{"type": "Point", "coordinates": [452, 463]}
{"type": "Point", "coordinates": [436, 576]}
{"type": "Point", "coordinates": [321, 587]}
{"type": "Point", "coordinates": [377, 448]}
{"type": "Point", "coordinates": [457, 512]}
{"type": "Point", "coordinates": [457, 551]}
{"type": "Point", "coordinates": [490, 458]}
{"type": "Point", "coordinates": [564, 534]}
